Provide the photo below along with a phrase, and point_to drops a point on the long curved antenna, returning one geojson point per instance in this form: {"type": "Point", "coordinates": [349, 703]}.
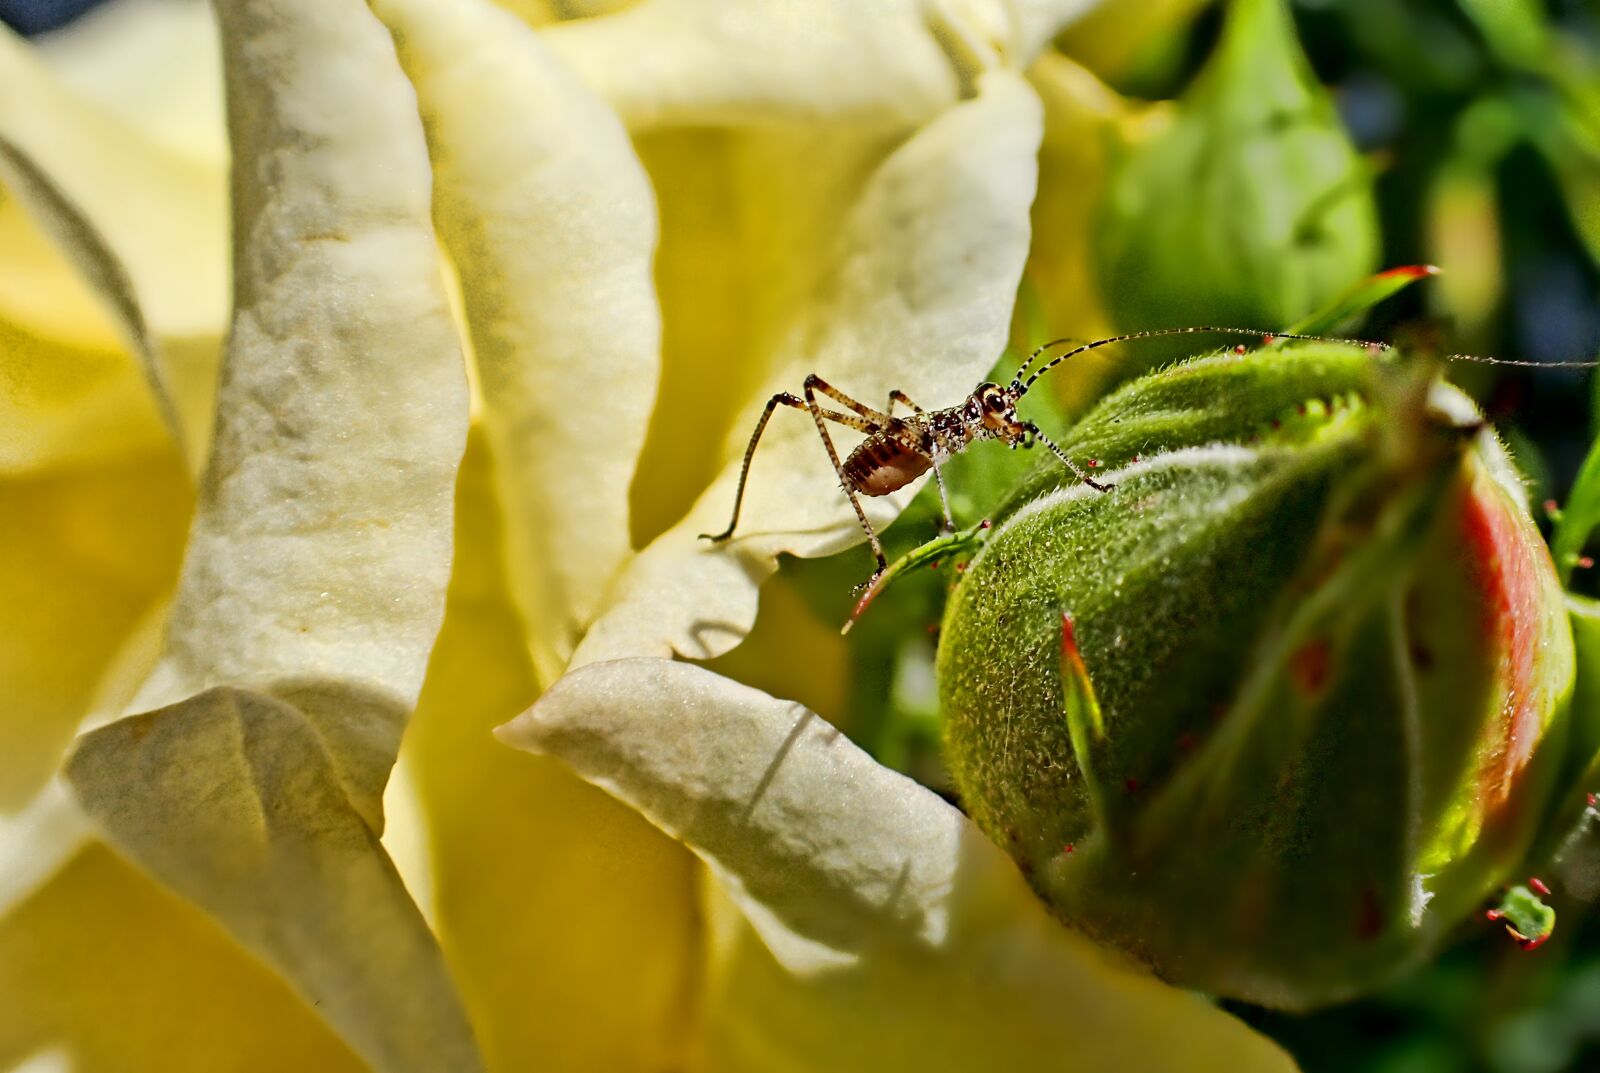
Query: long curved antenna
{"type": "Point", "coordinates": [1480, 360]}
{"type": "Point", "coordinates": [1040, 349]}
{"type": "Point", "coordinates": [1059, 358]}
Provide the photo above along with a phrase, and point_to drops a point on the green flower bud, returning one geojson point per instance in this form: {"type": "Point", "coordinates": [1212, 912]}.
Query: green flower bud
{"type": "Point", "coordinates": [1287, 703]}
{"type": "Point", "coordinates": [1252, 207]}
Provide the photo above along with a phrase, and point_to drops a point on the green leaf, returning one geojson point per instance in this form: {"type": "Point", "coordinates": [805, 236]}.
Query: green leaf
{"type": "Point", "coordinates": [1358, 298]}
{"type": "Point", "coordinates": [947, 546]}
{"type": "Point", "coordinates": [1579, 516]}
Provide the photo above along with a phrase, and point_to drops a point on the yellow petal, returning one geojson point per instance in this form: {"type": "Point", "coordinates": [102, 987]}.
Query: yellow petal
{"type": "Point", "coordinates": [100, 267]}
{"type": "Point", "coordinates": [883, 914]}
{"type": "Point", "coordinates": [1109, 38]}
{"type": "Point", "coordinates": [911, 289]}
{"type": "Point", "coordinates": [569, 922]}
{"type": "Point", "coordinates": [164, 215]}
{"type": "Point", "coordinates": [549, 219]}
{"type": "Point", "coordinates": [111, 972]}
{"type": "Point", "coordinates": [84, 555]}
{"type": "Point", "coordinates": [314, 581]}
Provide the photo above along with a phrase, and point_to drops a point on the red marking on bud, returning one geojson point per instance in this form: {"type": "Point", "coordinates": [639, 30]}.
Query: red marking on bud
{"type": "Point", "coordinates": [1301, 409]}
{"type": "Point", "coordinates": [1534, 944]}
{"type": "Point", "coordinates": [1268, 340]}
{"type": "Point", "coordinates": [1538, 886]}
{"type": "Point", "coordinates": [933, 630]}
{"type": "Point", "coordinates": [935, 564]}
{"type": "Point", "coordinates": [1239, 349]}
{"type": "Point", "coordinates": [1186, 742]}
{"type": "Point", "coordinates": [1069, 636]}
{"type": "Point", "coordinates": [1308, 667]}
{"type": "Point", "coordinates": [1493, 915]}
{"type": "Point", "coordinates": [1591, 799]}
{"type": "Point", "coordinates": [1094, 463]}
{"type": "Point", "coordinates": [1131, 785]}
{"type": "Point", "coordinates": [1551, 506]}
{"type": "Point", "coordinates": [961, 567]}
{"type": "Point", "coordinates": [1136, 458]}
{"type": "Point", "coordinates": [984, 524]}
{"type": "Point", "coordinates": [1504, 567]}
{"type": "Point", "coordinates": [1066, 849]}
{"type": "Point", "coordinates": [1585, 562]}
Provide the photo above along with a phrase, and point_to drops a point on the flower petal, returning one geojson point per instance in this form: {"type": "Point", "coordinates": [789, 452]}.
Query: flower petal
{"type": "Point", "coordinates": [101, 267]}
{"type": "Point", "coordinates": [91, 553]}
{"type": "Point", "coordinates": [550, 221]}
{"type": "Point", "coordinates": [163, 214]}
{"type": "Point", "coordinates": [104, 966]}
{"type": "Point", "coordinates": [314, 582]}
{"type": "Point", "coordinates": [153, 64]}
{"type": "Point", "coordinates": [913, 291]}
{"type": "Point", "coordinates": [703, 62]}
{"type": "Point", "coordinates": [568, 920]}
{"type": "Point", "coordinates": [883, 907]}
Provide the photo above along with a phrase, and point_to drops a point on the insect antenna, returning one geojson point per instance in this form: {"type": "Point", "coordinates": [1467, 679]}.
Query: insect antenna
{"type": "Point", "coordinates": [1040, 349]}
{"type": "Point", "coordinates": [1478, 359]}
{"type": "Point", "coordinates": [1022, 386]}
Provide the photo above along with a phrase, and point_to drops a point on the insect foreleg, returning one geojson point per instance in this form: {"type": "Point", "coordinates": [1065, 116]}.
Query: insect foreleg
{"type": "Point", "coordinates": [813, 384]}
{"type": "Point", "coordinates": [1070, 464]}
{"type": "Point", "coordinates": [944, 499]}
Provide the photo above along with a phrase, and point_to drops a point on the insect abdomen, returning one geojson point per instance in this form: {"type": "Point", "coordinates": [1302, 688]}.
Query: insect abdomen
{"type": "Point", "coordinates": [881, 466]}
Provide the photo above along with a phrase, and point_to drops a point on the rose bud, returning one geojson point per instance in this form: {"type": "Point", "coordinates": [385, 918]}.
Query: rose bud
{"type": "Point", "coordinates": [1291, 700]}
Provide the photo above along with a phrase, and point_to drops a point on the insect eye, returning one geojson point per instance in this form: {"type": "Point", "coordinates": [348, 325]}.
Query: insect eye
{"type": "Point", "coordinates": [995, 402]}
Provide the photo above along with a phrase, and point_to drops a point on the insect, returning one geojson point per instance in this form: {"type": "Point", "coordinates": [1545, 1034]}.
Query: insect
{"type": "Point", "coordinates": [898, 450]}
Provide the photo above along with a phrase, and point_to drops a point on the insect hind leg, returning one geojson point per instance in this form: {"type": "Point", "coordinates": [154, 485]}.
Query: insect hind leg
{"type": "Point", "coordinates": [813, 384]}
{"type": "Point", "coordinates": [782, 398]}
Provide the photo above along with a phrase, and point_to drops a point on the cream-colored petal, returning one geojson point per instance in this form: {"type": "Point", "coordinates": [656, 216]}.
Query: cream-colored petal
{"type": "Point", "coordinates": [314, 581]}
{"type": "Point", "coordinates": [321, 549]}
{"type": "Point", "coordinates": [883, 913]}
{"type": "Point", "coordinates": [914, 291]}
{"type": "Point", "coordinates": [707, 62]}
{"type": "Point", "coordinates": [163, 214]}
{"type": "Point", "coordinates": [569, 922]}
{"type": "Point", "coordinates": [101, 268]}
{"type": "Point", "coordinates": [549, 219]}
{"type": "Point", "coordinates": [231, 798]}
{"type": "Point", "coordinates": [154, 65]}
